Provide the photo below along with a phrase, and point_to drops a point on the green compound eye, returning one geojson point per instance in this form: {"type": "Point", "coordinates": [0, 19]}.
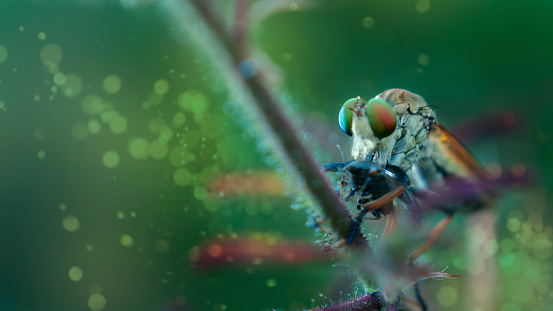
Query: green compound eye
{"type": "Point", "coordinates": [344, 118]}
{"type": "Point", "coordinates": [382, 117]}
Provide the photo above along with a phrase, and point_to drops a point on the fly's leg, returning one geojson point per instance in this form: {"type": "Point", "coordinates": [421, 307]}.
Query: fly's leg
{"type": "Point", "coordinates": [364, 189]}
{"type": "Point", "coordinates": [373, 205]}
{"type": "Point", "coordinates": [431, 237]}
{"type": "Point", "coordinates": [376, 213]}
{"type": "Point", "coordinates": [419, 300]}
{"type": "Point", "coordinates": [334, 166]}
{"type": "Point", "coordinates": [362, 201]}
{"type": "Point", "coordinates": [419, 297]}
{"type": "Point", "coordinates": [354, 228]}
{"type": "Point", "coordinates": [391, 224]}
{"type": "Point", "coordinates": [397, 176]}
{"type": "Point", "coordinates": [350, 194]}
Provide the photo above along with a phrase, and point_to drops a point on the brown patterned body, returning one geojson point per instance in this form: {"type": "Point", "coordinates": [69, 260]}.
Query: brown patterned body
{"type": "Point", "coordinates": [424, 148]}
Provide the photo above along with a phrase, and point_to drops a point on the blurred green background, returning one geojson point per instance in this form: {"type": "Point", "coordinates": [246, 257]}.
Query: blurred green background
{"type": "Point", "coordinates": [114, 123]}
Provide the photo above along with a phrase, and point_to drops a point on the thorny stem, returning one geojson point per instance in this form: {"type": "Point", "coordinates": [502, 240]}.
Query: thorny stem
{"type": "Point", "coordinates": [368, 302]}
{"type": "Point", "coordinates": [241, 27]}
{"type": "Point", "coordinates": [300, 160]}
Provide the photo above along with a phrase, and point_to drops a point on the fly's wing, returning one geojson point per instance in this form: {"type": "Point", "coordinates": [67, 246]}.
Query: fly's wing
{"type": "Point", "coordinates": [409, 212]}
{"type": "Point", "coordinates": [451, 156]}
{"type": "Point", "coordinates": [467, 184]}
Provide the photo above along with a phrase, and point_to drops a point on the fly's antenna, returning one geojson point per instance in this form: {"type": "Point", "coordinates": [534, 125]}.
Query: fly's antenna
{"type": "Point", "coordinates": [343, 158]}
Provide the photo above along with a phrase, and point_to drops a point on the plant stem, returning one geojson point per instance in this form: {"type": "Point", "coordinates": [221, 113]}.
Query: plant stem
{"type": "Point", "coordinates": [295, 156]}
{"type": "Point", "coordinates": [368, 302]}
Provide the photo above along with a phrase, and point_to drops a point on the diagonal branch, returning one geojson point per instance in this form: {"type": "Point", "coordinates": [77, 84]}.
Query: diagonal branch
{"type": "Point", "coordinates": [270, 116]}
{"type": "Point", "coordinates": [368, 302]}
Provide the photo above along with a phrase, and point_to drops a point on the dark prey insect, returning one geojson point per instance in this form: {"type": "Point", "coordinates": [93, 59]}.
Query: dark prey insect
{"type": "Point", "coordinates": [376, 189]}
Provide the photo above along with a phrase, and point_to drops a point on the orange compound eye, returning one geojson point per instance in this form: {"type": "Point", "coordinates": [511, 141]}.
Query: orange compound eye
{"type": "Point", "coordinates": [382, 118]}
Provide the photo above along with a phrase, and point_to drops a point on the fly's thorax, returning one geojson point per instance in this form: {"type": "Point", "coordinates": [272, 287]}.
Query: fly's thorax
{"type": "Point", "coordinates": [414, 120]}
{"type": "Point", "coordinates": [412, 141]}
{"type": "Point", "coordinates": [404, 101]}
{"type": "Point", "coordinates": [418, 180]}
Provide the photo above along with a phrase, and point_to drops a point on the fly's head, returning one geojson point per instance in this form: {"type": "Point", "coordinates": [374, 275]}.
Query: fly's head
{"type": "Point", "coordinates": [372, 125]}
{"type": "Point", "coordinates": [358, 176]}
{"type": "Point", "coordinates": [360, 173]}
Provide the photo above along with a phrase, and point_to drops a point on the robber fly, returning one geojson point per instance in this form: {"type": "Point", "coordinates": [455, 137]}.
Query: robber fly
{"type": "Point", "coordinates": [375, 189]}
{"type": "Point", "coordinates": [398, 132]}
{"type": "Point", "coordinates": [399, 128]}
